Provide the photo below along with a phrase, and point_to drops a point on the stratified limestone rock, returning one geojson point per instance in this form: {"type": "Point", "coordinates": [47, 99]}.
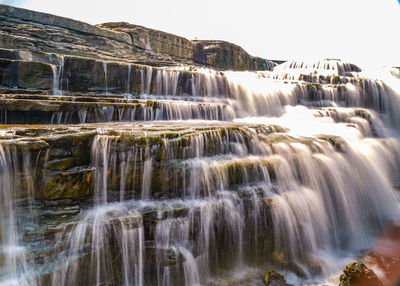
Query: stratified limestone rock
{"type": "Point", "coordinates": [84, 74]}
{"type": "Point", "coordinates": [35, 31]}
{"type": "Point", "coordinates": [85, 108]}
{"type": "Point", "coordinates": [274, 278]}
{"type": "Point", "coordinates": [25, 74]}
{"type": "Point", "coordinates": [154, 40]}
{"type": "Point", "coordinates": [218, 54]}
{"type": "Point", "coordinates": [226, 55]}
{"type": "Point", "coordinates": [55, 162]}
{"type": "Point", "coordinates": [60, 164]}
{"type": "Point", "coordinates": [63, 168]}
{"type": "Point", "coordinates": [357, 274]}
{"type": "Point", "coordinates": [70, 184]}
{"type": "Point", "coordinates": [25, 29]}
{"type": "Point", "coordinates": [28, 71]}
{"type": "Point", "coordinates": [66, 162]}
{"type": "Point", "coordinates": [8, 54]}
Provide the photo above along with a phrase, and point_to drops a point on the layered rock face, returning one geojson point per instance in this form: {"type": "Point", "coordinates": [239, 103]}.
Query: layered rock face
{"type": "Point", "coordinates": [217, 54]}
{"type": "Point", "coordinates": [154, 41]}
{"type": "Point", "coordinates": [228, 56]}
{"type": "Point", "coordinates": [124, 161]}
{"type": "Point", "coordinates": [28, 30]}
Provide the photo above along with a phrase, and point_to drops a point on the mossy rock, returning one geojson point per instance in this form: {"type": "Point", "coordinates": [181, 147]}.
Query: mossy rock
{"type": "Point", "coordinates": [60, 164]}
{"type": "Point", "coordinates": [274, 278]}
{"type": "Point", "coordinates": [129, 221]}
{"type": "Point", "coordinates": [70, 184]}
{"type": "Point", "coordinates": [29, 145]}
{"type": "Point", "coordinates": [75, 145]}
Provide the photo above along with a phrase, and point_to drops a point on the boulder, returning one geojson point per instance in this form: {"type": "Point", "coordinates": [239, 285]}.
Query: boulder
{"type": "Point", "coordinates": [274, 278]}
{"type": "Point", "coordinates": [357, 274]}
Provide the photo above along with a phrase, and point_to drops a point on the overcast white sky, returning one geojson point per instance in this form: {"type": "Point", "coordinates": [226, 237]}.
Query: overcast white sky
{"type": "Point", "coordinates": [357, 30]}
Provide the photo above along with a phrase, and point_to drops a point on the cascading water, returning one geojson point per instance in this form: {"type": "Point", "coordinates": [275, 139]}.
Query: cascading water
{"type": "Point", "coordinates": [100, 228]}
{"type": "Point", "coordinates": [105, 77]}
{"type": "Point", "coordinates": [181, 93]}
{"type": "Point", "coordinates": [14, 267]}
{"type": "Point", "coordinates": [58, 74]}
{"type": "Point", "coordinates": [300, 176]}
{"type": "Point", "coordinates": [128, 85]}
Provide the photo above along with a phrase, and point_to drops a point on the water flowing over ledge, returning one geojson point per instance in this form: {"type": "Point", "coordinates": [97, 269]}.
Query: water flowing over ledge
{"type": "Point", "coordinates": [119, 173]}
{"type": "Point", "coordinates": [186, 202]}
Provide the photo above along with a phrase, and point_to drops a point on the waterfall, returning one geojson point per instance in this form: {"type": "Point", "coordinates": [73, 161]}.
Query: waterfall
{"type": "Point", "coordinates": [100, 157]}
{"type": "Point", "coordinates": [15, 268]}
{"type": "Point", "coordinates": [56, 82]}
{"type": "Point", "coordinates": [181, 93]}
{"type": "Point", "coordinates": [102, 226]}
{"type": "Point", "coordinates": [307, 185]}
{"type": "Point", "coordinates": [142, 81]}
{"type": "Point", "coordinates": [82, 115]}
{"type": "Point", "coordinates": [328, 207]}
{"type": "Point", "coordinates": [146, 76]}
{"type": "Point", "coordinates": [128, 86]}
{"type": "Point", "coordinates": [294, 169]}
{"type": "Point", "coordinates": [58, 75]}
{"type": "Point", "coordinates": [172, 235]}
{"type": "Point", "coordinates": [105, 77]}
{"type": "Point", "coordinates": [147, 170]}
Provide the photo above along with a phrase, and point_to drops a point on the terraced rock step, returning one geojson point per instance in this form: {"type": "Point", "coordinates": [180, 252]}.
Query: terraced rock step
{"type": "Point", "coordinates": [57, 72]}
{"type": "Point", "coordinates": [46, 109]}
{"type": "Point", "coordinates": [151, 159]}
{"type": "Point", "coordinates": [179, 191]}
{"type": "Point", "coordinates": [66, 159]}
{"type": "Point", "coordinates": [157, 228]}
{"type": "Point", "coordinates": [223, 95]}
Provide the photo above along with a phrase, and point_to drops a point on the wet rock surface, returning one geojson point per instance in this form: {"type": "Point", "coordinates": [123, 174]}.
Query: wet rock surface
{"type": "Point", "coordinates": [358, 274]}
{"type": "Point", "coordinates": [274, 278]}
{"type": "Point", "coordinates": [63, 167]}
